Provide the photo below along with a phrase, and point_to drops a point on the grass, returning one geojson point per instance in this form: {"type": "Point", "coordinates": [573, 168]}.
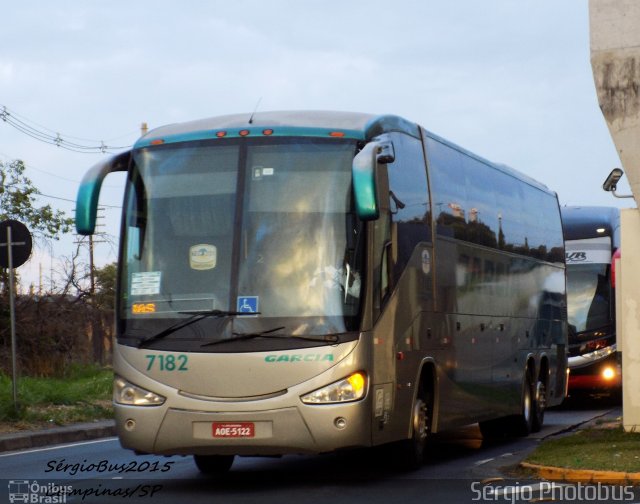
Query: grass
{"type": "Point", "coordinates": [601, 449]}
{"type": "Point", "coordinates": [83, 395]}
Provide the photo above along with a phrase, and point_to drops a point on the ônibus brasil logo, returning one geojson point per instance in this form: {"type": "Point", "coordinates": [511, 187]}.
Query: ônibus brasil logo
{"type": "Point", "coordinates": [33, 492]}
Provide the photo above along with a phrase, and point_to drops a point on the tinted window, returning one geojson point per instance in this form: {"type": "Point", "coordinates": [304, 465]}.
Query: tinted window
{"type": "Point", "coordinates": [588, 296]}
{"type": "Point", "coordinates": [408, 197]}
{"type": "Point", "coordinates": [477, 202]}
{"type": "Point", "coordinates": [482, 215]}
{"type": "Point", "coordinates": [511, 228]}
{"type": "Point", "coordinates": [448, 182]}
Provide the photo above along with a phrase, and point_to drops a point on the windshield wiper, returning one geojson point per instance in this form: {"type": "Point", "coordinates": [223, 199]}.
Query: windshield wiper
{"type": "Point", "coordinates": [196, 316]}
{"type": "Point", "coordinates": [328, 338]}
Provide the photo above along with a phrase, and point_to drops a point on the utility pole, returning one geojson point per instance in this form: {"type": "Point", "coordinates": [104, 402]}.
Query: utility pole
{"type": "Point", "coordinates": [96, 331]}
{"type": "Point", "coordinates": [92, 288]}
{"type": "Point", "coordinates": [92, 243]}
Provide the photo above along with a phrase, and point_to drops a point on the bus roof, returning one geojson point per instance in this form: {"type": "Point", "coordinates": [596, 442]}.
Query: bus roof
{"type": "Point", "coordinates": [581, 222]}
{"type": "Point", "coordinates": [321, 119]}
{"type": "Point", "coordinates": [497, 166]}
{"type": "Point", "coordinates": [354, 124]}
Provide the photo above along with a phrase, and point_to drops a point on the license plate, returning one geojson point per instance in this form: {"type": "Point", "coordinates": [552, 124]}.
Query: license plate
{"type": "Point", "coordinates": [233, 430]}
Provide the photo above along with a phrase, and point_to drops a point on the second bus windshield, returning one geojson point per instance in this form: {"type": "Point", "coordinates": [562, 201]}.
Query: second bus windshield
{"type": "Point", "coordinates": [588, 296]}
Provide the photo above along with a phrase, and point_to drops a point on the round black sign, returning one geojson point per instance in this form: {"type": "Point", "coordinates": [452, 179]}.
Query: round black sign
{"type": "Point", "coordinates": [20, 243]}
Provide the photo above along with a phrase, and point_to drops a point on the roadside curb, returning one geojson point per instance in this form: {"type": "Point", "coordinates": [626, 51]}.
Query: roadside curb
{"type": "Point", "coordinates": [583, 475]}
{"type": "Point", "coordinates": [57, 435]}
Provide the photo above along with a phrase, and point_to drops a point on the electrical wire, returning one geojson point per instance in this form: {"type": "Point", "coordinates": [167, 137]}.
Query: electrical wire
{"type": "Point", "coordinates": [31, 167]}
{"type": "Point", "coordinates": [48, 136]}
{"type": "Point", "coordinates": [26, 119]}
{"type": "Point", "coordinates": [73, 201]}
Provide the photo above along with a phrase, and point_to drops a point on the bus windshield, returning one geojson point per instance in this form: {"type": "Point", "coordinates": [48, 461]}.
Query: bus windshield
{"type": "Point", "coordinates": [245, 226]}
{"type": "Point", "coordinates": [588, 296]}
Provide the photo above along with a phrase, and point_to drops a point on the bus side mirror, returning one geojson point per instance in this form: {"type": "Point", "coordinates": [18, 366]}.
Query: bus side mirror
{"type": "Point", "coordinates": [89, 191]}
{"type": "Point", "coordinates": [364, 177]}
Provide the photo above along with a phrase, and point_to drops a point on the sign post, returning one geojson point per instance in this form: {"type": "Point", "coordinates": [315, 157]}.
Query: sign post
{"type": "Point", "coordinates": [16, 235]}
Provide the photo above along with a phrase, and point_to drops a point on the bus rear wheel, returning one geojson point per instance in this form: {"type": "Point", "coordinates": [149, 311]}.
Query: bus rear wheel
{"type": "Point", "coordinates": [523, 425]}
{"type": "Point", "coordinates": [539, 405]}
{"type": "Point", "coordinates": [213, 465]}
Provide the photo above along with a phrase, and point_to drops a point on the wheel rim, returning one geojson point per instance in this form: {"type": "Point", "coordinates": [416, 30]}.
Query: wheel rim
{"type": "Point", "coordinates": [420, 430]}
{"type": "Point", "coordinates": [541, 396]}
{"type": "Point", "coordinates": [526, 407]}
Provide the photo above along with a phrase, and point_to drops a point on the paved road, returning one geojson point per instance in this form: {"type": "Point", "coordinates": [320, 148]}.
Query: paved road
{"type": "Point", "coordinates": [100, 471]}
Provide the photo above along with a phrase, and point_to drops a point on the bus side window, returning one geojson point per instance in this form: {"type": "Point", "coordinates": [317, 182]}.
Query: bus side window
{"type": "Point", "coordinates": [408, 200]}
{"type": "Point", "coordinates": [489, 277]}
{"type": "Point", "coordinates": [381, 239]}
{"type": "Point", "coordinates": [385, 273]}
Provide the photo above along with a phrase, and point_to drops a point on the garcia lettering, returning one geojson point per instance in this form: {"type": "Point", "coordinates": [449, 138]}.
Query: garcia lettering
{"type": "Point", "coordinates": [299, 358]}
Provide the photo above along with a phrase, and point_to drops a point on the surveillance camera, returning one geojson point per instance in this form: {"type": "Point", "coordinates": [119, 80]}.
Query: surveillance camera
{"type": "Point", "coordinates": [612, 180]}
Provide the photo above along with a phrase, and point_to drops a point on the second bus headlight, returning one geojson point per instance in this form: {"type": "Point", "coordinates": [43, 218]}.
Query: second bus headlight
{"type": "Point", "coordinates": [128, 393]}
{"type": "Point", "coordinates": [351, 388]}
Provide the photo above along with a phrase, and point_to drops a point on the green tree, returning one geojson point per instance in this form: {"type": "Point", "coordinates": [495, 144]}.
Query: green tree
{"type": "Point", "coordinates": [18, 201]}
{"type": "Point", "coordinates": [106, 286]}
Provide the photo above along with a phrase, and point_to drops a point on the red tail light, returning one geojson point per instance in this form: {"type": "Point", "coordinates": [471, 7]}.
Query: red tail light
{"type": "Point", "coordinates": [616, 255]}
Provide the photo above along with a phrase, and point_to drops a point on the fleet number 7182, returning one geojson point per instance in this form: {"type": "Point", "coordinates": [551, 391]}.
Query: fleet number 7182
{"type": "Point", "coordinates": [168, 362]}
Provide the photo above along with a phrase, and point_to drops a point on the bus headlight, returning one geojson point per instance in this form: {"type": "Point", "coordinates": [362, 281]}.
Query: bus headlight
{"type": "Point", "coordinates": [351, 388]}
{"type": "Point", "coordinates": [608, 373]}
{"type": "Point", "coordinates": [128, 393]}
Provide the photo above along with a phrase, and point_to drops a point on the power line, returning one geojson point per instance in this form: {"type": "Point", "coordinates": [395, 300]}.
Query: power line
{"type": "Point", "coordinates": [31, 167]}
{"type": "Point", "coordinates": [48, 136]}
{"type": "Point", "coordinates": [9, 158]}
{"type": "Point", "coordinates": [73, 201]}
{"type": "Point", "coordinates": [25, 119]}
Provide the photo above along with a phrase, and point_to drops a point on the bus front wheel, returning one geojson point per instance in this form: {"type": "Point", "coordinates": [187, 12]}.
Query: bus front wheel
{"type": "Point", "coordinates": [213, 465]}
{"type": "Point", "coordinates": [410, 452]}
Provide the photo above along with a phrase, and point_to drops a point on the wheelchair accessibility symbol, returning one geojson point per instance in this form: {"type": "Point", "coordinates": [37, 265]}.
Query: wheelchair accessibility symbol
{"type": "Point", "coordinates": [247, 304]}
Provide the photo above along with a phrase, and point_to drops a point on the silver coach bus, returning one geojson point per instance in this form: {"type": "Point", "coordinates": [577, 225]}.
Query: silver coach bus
{"type": "Point", "coordinates": [303, 282]}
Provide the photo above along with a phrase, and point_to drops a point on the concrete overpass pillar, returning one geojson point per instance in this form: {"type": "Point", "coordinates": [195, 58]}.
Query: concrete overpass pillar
{"type": "Point", "coordinates": [615, 60]}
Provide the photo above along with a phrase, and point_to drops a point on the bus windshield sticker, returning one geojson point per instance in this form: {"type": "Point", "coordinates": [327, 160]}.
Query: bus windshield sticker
{"type": "Point", "coordinates": [203, 256]}
{"type": "Point", "coordinates": [247, 304]}
{"type": "Point", "coordinates": [261, 171]}
{"type": "Point", "coordinates": [426, 262]}
{"type": "Point", "coordinates": [147, 282]}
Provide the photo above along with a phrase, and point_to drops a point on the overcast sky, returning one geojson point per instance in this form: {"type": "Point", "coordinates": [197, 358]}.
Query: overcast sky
{"type": "Point", "coordinates": [507, 79]}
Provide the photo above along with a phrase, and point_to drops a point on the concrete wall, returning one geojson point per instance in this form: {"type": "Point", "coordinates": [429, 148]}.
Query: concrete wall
{"type": "Point", "coordinates": [628, 321]}
{"type": "Point", "coordinates": [615, 60]}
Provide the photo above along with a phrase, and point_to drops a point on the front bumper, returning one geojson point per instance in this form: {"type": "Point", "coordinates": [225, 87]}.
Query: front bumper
{"type": "Point", "coordinates": [604, 375]}
{"type": "Point", "coordinates": [293, 429]}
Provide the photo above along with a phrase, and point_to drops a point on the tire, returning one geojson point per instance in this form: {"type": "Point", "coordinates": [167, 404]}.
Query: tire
{"type": "Point", "coordinates": [213, 465]}
{"type": "Point", "coordinates": [539, 405]}
{"type": "Point", "coordinates": [523, 422]}
{"type": "Point", "coordinates": [520, 425]}
{"type": "Point", "coordinates": [409, 454]}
